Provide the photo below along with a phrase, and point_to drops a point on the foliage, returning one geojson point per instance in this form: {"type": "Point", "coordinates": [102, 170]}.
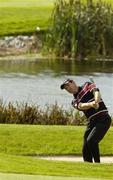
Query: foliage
{"type": "Point", "coordinates": [62, 33]}
{"type": "Point", "coordinates": [81, 28]}
{"type": "Point", "coordinates": [31, 114]}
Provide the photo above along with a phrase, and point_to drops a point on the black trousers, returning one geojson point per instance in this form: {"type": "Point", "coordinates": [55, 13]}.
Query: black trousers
{"type": "Point", "coordinates": [95, 131]}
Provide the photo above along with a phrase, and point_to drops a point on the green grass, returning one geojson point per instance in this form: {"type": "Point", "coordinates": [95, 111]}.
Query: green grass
{"type": "Point", "coordinates": [23, 16]}
{"type": "Point", "coordinates": [21, 3]}
{"type": "Point", "coordinates": [18, 17]}
{"type": "Point", "coordinates": [34, 139]}
{"type": "Point", "coordinates": [19, 140]}
{"type": "Point", "coordinates": [9, 176]}
{"type": "Point", "coordinates": [29, 165]}
{"type": "Point", "coordinates": [23, 20]}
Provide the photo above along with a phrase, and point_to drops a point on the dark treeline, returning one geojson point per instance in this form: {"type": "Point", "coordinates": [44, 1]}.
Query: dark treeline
{"type": "Point", "coordinates": [80, 29]}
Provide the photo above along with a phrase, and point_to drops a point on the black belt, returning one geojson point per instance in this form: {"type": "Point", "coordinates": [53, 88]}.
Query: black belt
{"type": "Point", "coordinates": [102, 114]}
{"type": "Point", "coordinates": [99, 115]}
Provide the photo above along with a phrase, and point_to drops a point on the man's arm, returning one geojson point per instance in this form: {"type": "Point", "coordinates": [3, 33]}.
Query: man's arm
{"type": "Point", "coordinates": [86, 106]}
{"type": "Point", "coordinates": [93, 104]}
{"type": "Point", "coordinates": [97, 96]}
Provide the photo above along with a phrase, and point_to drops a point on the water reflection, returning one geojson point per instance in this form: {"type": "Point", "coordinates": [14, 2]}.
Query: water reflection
{"type": "Point", "coordinates": [38, 81]}
{"type": "Point", "coordinates": [58, 67]}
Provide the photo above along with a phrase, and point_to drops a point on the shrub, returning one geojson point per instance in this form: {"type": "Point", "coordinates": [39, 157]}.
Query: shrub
{"type": "Point", "coordinates": [31, 114]}
{"type": "Point", "coordinates": [80, 29]}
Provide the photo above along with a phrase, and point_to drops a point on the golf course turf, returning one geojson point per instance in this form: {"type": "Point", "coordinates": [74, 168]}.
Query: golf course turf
{"type": "Point", "coordinates": [19, 144]}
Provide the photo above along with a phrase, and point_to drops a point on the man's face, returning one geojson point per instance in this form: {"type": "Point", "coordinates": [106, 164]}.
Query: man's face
{"type": "Point", "coordinates": [71, 87]}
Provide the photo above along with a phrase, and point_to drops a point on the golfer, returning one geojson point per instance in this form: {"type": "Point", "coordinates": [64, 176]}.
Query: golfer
{"type": "Point", "coordinates": [87, 98]}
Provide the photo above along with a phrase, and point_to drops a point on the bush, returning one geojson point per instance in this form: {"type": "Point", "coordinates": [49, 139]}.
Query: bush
{"type": "Point", "coordinates": [31, 114]}
{"type": "Point", "coordinates": [80, 29]}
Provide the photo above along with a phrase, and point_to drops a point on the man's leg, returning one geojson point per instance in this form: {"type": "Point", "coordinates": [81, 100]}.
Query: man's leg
{"type": "Point", "coordinates": [87, 155]}
{"type": "Point", "coordinates": [95, 136]}
{"type": "Point", "coordinates": [92, 144]}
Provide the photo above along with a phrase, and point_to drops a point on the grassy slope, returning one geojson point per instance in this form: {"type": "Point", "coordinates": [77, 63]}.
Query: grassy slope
{"type": "Point", "coordinates": [27, 139]}
{"type": "Point", "coordinates": [20, 3]}
{"type": "Point", "coordinates": [32, 139]}
{"type": "Point", "coordinates": [29, 165]}
{"type": "Point", "coordinates": [24, 16]}
{"type": "Point", "coordinates": [23, 20]}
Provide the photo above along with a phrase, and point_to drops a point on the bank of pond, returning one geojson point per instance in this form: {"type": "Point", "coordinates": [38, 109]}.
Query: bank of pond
{"type": "Point", "coordinates": [70, 28]}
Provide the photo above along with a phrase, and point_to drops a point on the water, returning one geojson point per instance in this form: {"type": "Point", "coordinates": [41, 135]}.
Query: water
{"type": "Point", "coordinates": [38, 82]}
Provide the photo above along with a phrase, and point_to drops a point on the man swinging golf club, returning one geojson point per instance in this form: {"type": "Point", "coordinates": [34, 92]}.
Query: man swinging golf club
{"type": "Point", "coordinates": [87, 98]}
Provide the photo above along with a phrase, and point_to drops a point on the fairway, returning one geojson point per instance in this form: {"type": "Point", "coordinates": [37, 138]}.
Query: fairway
{"type": "Point", "coordinates": [19, 144]}
{"type": "Point", "coordinates": [49, 140]}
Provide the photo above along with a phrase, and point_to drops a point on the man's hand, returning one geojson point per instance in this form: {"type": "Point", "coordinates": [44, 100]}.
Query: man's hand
{"type": "Point", "coordinates": [86, 106]}
{"type": "Point", "coordinates": [74, 103]}
{"type": "Point", "coordinates": [94, 104]}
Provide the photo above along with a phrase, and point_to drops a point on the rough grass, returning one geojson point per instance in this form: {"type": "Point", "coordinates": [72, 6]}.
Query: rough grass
{"type": "Point", "coordinates": [49, 140]}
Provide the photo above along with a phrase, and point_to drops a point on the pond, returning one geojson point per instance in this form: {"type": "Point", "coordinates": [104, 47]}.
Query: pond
{"type": "Point", "coordinates": [38, 81]}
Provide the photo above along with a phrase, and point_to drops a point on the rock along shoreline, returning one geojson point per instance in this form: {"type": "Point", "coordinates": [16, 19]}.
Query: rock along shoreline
{"type": "Point", "coordinates": [19, 45]}
{"type": "Point", "coordinates": [29, 47]}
